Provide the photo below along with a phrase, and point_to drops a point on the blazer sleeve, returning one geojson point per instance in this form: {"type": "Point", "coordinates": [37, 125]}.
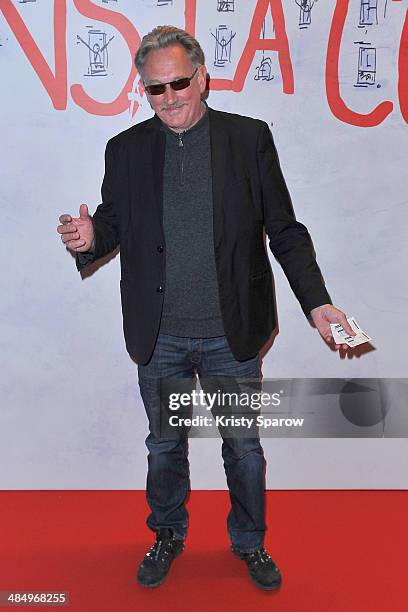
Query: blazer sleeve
{"type": "Point", "coordinates": [106, 217]}
{"type": "Point", "coordinates": [289, 240]}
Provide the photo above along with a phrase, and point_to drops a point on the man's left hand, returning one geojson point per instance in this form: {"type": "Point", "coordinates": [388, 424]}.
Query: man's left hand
{"type": "Point", "coordinates": [322, 316]}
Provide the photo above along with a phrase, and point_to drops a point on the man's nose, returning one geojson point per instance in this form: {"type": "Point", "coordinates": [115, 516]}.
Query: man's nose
{"type": "Point", "coordinates": [170, 96]}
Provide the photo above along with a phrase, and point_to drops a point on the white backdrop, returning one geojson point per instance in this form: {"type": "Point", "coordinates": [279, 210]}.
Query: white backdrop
{"type": "Point", "coordinates": [71, 414]}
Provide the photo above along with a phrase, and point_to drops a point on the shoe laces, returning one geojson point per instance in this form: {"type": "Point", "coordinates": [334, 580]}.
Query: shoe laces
{"type": "Point", "coordinates": [258, 556]}
{"type": "Point", "coordinates": [161, 549]}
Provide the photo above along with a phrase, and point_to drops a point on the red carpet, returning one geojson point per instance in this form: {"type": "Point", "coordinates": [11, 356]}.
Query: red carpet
{"type": "Point", "coordinates": [339, 551]}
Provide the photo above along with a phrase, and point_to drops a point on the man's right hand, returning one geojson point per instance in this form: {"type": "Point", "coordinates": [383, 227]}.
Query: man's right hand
{"type": "Point", "coordinates": [77, 232]}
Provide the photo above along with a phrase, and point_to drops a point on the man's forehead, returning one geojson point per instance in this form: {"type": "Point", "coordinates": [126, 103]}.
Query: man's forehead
{"type": "Point", "coordinates": [173, 61]}
{"type": "Point", "coordinates": [159, 81]}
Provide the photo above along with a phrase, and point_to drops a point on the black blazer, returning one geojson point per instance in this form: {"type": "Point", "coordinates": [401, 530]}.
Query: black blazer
{"type": "Point", "coordinates": [249, 194]}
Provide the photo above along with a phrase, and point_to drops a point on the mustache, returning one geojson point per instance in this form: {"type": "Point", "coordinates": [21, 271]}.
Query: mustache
{"type": "Point", "coordinates": [170, 106]}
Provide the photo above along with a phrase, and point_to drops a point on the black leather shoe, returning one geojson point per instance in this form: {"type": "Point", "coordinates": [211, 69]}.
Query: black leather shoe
{"type": "Point", "coordinates": [262, 569]}
{"type": "Point", "coordinates": [155, 566]}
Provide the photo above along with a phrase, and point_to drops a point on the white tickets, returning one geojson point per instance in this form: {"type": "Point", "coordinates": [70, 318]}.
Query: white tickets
{"type": "Point", "coordinates": [342, 337]}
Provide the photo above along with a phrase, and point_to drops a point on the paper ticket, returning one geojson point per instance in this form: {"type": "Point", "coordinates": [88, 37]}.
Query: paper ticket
{"type": "Point", "coordinates": [342, 337]}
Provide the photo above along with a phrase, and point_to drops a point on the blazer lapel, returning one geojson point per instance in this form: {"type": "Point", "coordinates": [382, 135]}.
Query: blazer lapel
{"type": "Point", "coordinates": [155, 150]}
{"type": "Point", "coordinates": [219, 141]}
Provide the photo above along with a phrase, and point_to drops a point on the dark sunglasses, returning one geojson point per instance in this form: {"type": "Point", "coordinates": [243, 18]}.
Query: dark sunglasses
{"type": "Point", "coordinates": [160, 88]}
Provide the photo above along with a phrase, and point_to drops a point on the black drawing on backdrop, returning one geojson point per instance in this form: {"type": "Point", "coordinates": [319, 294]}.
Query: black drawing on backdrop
{"type": "Point", "coordinates": [224, 6]}
{"type": "Point", "coordinates": [222, 50]}
{"type": "Point", "coordinates": [385, 8]}
{"type": "Point", "coordinates": [107, 1]}
{"type": "Point", "coordinates": [367, 62]}
{"type": "Point", "coordinates": [305, 14]}
{"type": "Point", "coordinates": [164, 2]}
{"type": "Point", "coordinates": [264, 70]}
{"type": "Point", "coordinates": [25, 1]}
{"type": "Point", "coordinates": [368, 13]}
{"type": "Point", "coordinates": [98, 52]}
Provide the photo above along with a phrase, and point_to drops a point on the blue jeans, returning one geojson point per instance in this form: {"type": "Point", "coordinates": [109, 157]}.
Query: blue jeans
{"type": "Point", "coordinates": [168, 480]}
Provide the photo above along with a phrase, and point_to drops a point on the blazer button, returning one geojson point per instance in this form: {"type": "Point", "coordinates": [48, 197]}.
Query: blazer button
{"type": "Point", "coordinates": [160, 248]}
{"type": "Point", "coordinates": [159, 289]}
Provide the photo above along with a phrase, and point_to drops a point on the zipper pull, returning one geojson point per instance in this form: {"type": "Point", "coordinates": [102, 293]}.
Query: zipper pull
{"type": "Point", "coordinates": [181, 147]}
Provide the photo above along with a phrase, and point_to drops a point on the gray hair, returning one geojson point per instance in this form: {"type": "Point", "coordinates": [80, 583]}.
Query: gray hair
{"type": "Point", "coordinates": [166, 36]}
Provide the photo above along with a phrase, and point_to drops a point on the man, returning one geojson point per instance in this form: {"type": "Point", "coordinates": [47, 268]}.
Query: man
{"type": "Point", "coordinates": [187, 195]}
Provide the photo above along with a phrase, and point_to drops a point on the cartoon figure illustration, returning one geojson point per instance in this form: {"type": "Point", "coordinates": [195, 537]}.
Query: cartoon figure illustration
{"type": "Point", "coordinates": [366, 72]}
{"type": "Point", "coordinates": [264, 70]}
{"type": "Point", "coordinates": [224, 6]}
{"type": "Point", "coordinates": [98, 52]}
{"type": "Point", "coordinates": [223, 38]}
{"type": "Point", "coordinates": [368, 12]}
{"type": "Point", "coordinates": [305, 15]}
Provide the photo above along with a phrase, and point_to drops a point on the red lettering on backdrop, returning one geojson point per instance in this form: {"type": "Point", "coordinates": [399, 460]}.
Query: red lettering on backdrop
{"type": "Point", "coordinates": [255, 43]}
{"type": "Point", "coordinates": [403, 70]}
{"type": "Point", "coordinates": [132, 38]}
{"type": "Point", "coordinates": [190, 11]}
{"type": "Point", "coordinates": [334, 99]}
{"type": "Point", "coordinates": [55, 85]}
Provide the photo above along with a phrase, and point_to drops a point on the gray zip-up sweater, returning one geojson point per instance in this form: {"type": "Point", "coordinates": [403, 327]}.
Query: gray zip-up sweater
{"type": "Point", "coordinates": [191, 303]}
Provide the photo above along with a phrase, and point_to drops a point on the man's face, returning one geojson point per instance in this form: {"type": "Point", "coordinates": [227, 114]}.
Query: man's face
{"type": "Point", "coordinates": [179, 110]}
